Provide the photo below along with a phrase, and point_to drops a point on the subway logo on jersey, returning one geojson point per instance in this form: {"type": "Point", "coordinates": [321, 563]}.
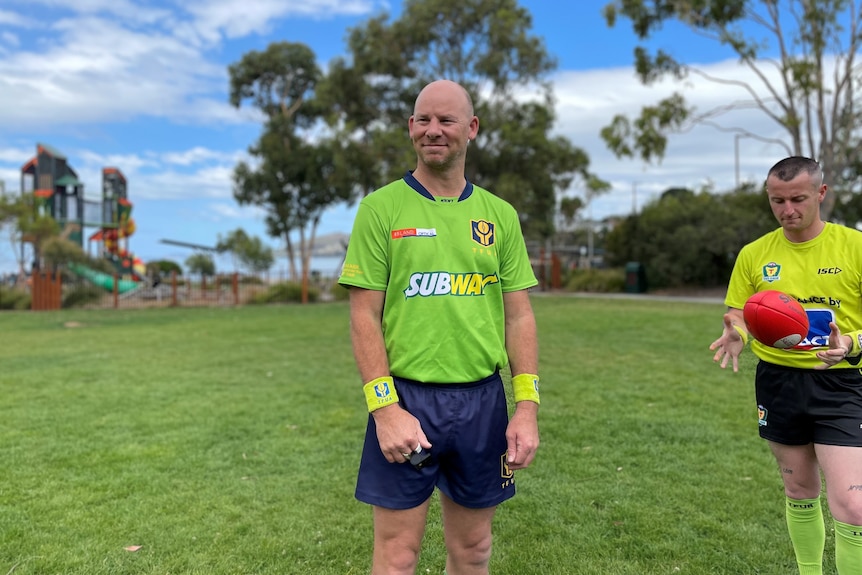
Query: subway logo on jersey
{"type": "Point", "coordinates": [426, 284]}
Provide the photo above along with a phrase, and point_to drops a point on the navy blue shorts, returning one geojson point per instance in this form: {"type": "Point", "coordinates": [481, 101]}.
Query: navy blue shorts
{"type": "Point", "coordinates": [802, 406]}
{"type": "Point", "coordinates": [466, 425]}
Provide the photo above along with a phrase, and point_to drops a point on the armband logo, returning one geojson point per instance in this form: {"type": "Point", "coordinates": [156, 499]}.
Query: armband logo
{"type": "Point", "coordinates": [381, 389]}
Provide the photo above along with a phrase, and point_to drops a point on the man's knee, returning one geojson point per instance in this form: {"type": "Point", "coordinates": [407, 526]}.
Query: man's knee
{"type": "Point", "coordinates": [472, 552]}
{"type": "Point", "coordinates": [395, 562]}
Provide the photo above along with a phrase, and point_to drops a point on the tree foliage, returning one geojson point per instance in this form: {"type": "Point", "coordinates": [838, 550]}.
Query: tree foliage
{"type": "Point", "coordinates": [488, 47]}
{"type": "Point", "coordinates": [26, 225]}
{"type": "Point", "coordinates": [293, 176]}
{"type": "Point", "coordinates": [690, 239]}
{"type": "Point", "coordinates": [58, 251]}
{"type": "Point", "coordinates": [250, 252]}
{"type": "Point", "coordinates": [201, 263]}
{"type": "Point", "coordinates": [802, 53]}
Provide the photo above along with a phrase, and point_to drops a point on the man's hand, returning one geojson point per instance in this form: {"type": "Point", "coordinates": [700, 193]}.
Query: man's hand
{"type": "Point", "coordinates": [522, 435]}
{"type": "Point", "coordinates": [837, 350]}
{"type": "Point", "coordinates": [729, 345]}
{"type": "Point", "coordinates": [398, 433]}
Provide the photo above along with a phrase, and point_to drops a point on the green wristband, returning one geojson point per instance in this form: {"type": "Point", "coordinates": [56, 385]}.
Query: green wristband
{"type": "Point", "coordinates": [380, 392]}
{"type": "Point", "coordinates": [855, 343]}
{"type": "Point", "coordinates": [525, 387]}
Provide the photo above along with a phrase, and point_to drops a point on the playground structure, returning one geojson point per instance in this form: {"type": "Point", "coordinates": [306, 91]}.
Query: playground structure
{"type": "Point", "coordinates": [59, 193]}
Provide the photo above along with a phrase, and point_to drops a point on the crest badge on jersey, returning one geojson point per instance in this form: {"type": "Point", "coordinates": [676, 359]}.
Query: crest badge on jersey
{"type": "Point", "coordinates": [483, 232]}
{"type": "Point", "coordinates": [771, 272]}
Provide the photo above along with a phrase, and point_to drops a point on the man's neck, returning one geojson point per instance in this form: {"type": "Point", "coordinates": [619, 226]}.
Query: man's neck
{"type": "Point", "coordinates": [450, 183]}
{"type": "Point", "coordinates": [807, 234]}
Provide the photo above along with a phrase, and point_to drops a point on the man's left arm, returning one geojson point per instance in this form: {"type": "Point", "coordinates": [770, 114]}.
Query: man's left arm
{"type": "Point", "coordinates": [523, 350]}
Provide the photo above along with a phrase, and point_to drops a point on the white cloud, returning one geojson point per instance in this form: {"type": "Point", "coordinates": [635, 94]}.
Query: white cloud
{"type": "Point", "coordinates": [8, 41]}
{"type": "Point", "coordinates": [9, 18]}
{"type": "Point", "coordinates": [702, 157]}
{"type": "Point", "coordinates": [238, 18]}
{"type": "Point", "coordinates": [198, 155]}
{"type": "Point", "coordinates": [233, 211]}
{"type": "Point", "coordinates": [98, 72]}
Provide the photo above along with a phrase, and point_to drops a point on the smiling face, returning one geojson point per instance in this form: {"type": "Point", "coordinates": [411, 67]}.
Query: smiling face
{"type": "Point", "coordinates": [796, 204]}
{"type": "Point", "coordinates": [441, 126]}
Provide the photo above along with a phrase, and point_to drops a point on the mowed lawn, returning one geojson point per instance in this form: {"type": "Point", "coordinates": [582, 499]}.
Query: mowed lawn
{"type": "Point", "coordinates": [226, 441]}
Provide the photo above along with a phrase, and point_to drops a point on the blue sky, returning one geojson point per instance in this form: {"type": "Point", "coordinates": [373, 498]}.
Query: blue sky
{"type": "Point", "coordinates": [142, 85]}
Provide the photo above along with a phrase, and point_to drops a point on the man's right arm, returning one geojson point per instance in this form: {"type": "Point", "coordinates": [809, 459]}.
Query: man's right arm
{"type": "Point", "coordinates": [366, 333]}
{"type": "Point", "coordinates": [398, 432]}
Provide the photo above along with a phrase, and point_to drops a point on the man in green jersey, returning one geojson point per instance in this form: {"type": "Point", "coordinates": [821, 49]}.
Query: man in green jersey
{"type": "Point", "coordinates": [438, 275]}
{"type": "Point", "coordinates": [809, 397]}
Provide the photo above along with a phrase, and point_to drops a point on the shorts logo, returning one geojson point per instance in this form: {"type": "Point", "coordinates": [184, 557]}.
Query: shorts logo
{"type": "Point", "coordinates": [483, 232]}
{"type": "Point", "coordinates": [771, 272]}
{"type": "Point", "coordinates": [761, 416]}
{"type": "Point", "coordinates": [505, 472]}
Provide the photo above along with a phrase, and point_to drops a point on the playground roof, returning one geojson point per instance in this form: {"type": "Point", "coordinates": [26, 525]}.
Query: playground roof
{"type": "Point", "coordinates": [68, 180]}
{"type": "Point", "coordinates": [51, 150]}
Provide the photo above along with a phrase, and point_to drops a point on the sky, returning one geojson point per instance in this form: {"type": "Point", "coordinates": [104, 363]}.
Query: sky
{"type": "Point", "coordinates": [142, 85]}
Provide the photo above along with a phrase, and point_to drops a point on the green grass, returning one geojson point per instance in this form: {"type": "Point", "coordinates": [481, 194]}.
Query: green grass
{"type": "Point", "coordinates": [226, 441]}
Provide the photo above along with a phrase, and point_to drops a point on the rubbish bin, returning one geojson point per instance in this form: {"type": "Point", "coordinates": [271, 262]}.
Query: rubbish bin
{"type": "Point", "coordinates": [635, 278]}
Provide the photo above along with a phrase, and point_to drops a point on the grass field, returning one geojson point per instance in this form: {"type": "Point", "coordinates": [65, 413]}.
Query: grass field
{"type": "Point", "coordinates": [226, 441]}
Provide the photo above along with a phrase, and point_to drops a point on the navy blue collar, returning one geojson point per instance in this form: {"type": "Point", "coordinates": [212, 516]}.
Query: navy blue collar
{"type": "Point", "coordinates": [414, 183]}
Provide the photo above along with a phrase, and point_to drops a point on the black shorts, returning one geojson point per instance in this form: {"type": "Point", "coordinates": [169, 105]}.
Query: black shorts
{"type": "Point", "coordinates": [801, 406]}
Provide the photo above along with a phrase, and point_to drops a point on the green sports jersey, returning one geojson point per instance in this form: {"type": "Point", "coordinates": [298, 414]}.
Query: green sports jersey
{"type": "Point", "coordinates": [444, 266]}
{"type": "Point", "coordinates": [823, 274]}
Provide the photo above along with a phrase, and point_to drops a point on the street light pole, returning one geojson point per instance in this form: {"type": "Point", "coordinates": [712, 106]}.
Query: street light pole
{"type": "Point", "coordinates": [736, 156]}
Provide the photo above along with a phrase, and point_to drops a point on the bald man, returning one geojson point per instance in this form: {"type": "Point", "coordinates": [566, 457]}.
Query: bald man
{"type": "Point", "coordinates": [439, 277]}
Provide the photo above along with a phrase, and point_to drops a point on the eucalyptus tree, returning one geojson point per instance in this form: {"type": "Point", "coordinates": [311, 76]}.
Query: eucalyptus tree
{"type": "Point", "coordinates": [292, 172]}
{"type": "Point", "coordinates": [249, 251]}
{"type": "Point", "coordinates": [488, 47]}
{"type": "Point", "coordinates": [802, 54]}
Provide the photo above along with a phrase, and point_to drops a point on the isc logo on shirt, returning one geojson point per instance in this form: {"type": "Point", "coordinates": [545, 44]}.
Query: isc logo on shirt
{"type": "Point", "coordinates": [443, 283]}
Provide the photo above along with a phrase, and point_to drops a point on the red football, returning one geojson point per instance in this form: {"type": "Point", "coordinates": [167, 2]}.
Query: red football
{"type": "Point", "coordinates": [775, 319]}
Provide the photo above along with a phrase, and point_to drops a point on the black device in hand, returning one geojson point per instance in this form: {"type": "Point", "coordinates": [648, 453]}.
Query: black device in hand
{"type": "Point", "coordinates": [419, 458]}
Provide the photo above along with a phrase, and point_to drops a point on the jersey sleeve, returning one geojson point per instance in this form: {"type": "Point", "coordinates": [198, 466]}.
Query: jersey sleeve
{"type": "Point", "coordinates": [516, 272]}
{"type": "Point", "coordinates": [366, 264]}
{"type": "Point", "coordinates": [740, 287]}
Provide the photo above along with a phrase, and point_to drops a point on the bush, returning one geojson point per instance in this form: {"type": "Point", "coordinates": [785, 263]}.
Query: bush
{"type": "Point", "coordinates": [605, 280]}
{"type": "Point", "coordinates": [165, 267]}
{"type": "Point", "coordinates": [14, 298]}
{"type": "Point", "coordinates": [285, 292]}
{"type": "Point", "coordinates": [250, 280]}
{"type": "Point", "coordinates": [339, 292]}
{"type": "Point", "coordinates": [81, 295]}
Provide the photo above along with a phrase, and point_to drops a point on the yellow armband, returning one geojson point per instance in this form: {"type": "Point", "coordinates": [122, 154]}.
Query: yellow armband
{"type": "Point", "coordinates": [855, 343]}
{"type": "Point", "coordinates": [380, 392]}
{"type": "Point", "coordinates": [742, 334]}
{"type": "Point", "coordinates": [525, 387]}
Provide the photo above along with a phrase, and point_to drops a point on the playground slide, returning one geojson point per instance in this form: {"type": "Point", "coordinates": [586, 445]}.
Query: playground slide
{"type": "Point", "coordinates": [103, 280]}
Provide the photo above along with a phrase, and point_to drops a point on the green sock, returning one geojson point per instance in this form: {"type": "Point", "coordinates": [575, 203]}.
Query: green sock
{"type": "Point", "coordinates": [807, 533]}
{"type": "Point", "coordinates": [848, 549]}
